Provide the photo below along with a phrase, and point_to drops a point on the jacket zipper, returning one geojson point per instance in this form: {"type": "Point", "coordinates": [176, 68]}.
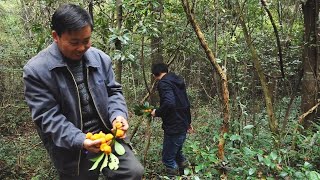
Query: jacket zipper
{"type": "Point", "coordinates": [78, 169]}
{"type": "Point", "coordinates": [94, 103]}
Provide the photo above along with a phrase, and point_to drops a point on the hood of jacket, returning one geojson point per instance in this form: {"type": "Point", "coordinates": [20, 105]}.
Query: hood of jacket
{"type": "Point", "coordinates": [172, 78]}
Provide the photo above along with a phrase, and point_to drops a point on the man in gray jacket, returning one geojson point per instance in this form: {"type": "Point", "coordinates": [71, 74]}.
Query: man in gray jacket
{"type": "Point", "coordinates": [71, 90]}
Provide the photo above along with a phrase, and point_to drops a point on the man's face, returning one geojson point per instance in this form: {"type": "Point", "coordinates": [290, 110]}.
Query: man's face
{"type": "Point", "coordinates": [74, 44]}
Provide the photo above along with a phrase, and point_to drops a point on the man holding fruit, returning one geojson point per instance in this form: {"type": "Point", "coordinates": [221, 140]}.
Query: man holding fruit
{"type": "Point", "coordinates": [71, 91]}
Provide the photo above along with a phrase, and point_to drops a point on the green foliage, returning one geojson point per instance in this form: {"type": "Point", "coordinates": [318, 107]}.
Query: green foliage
{"type": "Point", "coordinates": [23, 157]}
{"type": "Point", "coordinates": [253, 162]}
{"type": "Point", "coordinates": [143, 109]}
{"type": "Point", "coordinates": [42, 35]}
{"type": "Point", "coordinates": [252, 152]}
{"type": "Point", "coordinates": [98, 160]}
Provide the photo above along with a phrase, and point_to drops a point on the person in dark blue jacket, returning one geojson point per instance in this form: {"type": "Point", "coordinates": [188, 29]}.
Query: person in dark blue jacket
{"type": "Point", "coordinates": [174, 111]}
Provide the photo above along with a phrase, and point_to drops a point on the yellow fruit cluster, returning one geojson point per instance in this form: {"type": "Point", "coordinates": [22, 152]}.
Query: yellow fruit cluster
{"type": "Point", "coordinates": [119, 132]}
{"type": "Point", "coordinates": [147, 110]}
{"type": "Point", "coordinates": [106, 139]}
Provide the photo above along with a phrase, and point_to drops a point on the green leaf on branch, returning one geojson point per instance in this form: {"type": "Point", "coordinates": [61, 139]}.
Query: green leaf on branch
{"type": "Point", "coordinates": [114, 162]}
{"type": "Point", "coordinates": [252, 171]}
{"type": "Point", "coordinates": [119, 148]}
{"type": "Point", "coordinates": [146, 104]}
{"type": "Point", "coordinates": [267, 161]}
{"type": "Point", "coordinates": [313, 175]}
{"type": "Point", "coordinates": [273, 155]}
{"type": "Point", "coordinates": [143, 109]}
{"type": "Point", "coordinates": [138, 110]}
{"type": "Point", "coordinates": [95, 158]}
{"type": "Point", "coordinates": [248, 126]}
{"type": "Point", "coordinates": [96, 163]}
{"type": "Point", "coordinates": [105, 162]}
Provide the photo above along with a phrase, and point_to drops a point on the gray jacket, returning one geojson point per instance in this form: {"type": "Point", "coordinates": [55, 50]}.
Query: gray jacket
{"type": "Point", "coordinates": [53, 98]}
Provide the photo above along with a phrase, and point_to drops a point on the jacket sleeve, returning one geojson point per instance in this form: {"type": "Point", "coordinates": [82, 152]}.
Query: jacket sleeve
{"type": "Point", "coordinates": [46, 112]}
{"type": "Point", "coordinates": [116, 101]}
{"type": "Point", "coordinates": [167, 98]}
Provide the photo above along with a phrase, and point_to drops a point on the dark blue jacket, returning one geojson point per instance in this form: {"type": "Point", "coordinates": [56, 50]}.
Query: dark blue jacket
{"type": "Point", "coordinates": [174, 104]}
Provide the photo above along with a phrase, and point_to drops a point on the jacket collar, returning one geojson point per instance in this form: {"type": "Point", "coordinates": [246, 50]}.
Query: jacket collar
{"type": "Point", "coordinates": [57, 58]}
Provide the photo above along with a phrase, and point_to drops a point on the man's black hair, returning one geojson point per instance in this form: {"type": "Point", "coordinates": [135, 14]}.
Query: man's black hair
{"type": "Point", "coordinates": [70, 17]}
{"type": "Point", "coordinates": [159, 68]}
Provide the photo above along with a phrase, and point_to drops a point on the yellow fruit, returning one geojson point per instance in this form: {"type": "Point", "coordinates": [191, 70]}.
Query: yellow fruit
{"type": "Point", "coordinates": [103, 140]}
{"type": "Point", "coordinates": [118, 125]}
{"type": "Point", "coordinates": [108, 137]}
{"type": "Point", "coordinates": [95, 137]}
{"type": "Point", "coordinates": [89, 135]}
{"type": "Point", "coordinates": [147, 110]}
{"type": "Point", "coordinates": [119, 133]}
{"type": "Point", "coordinates": [102, 146]}
{"type": "Point", "coordinates": [101, 134]}
{"type": "Point", "coordinates": [105, 148]}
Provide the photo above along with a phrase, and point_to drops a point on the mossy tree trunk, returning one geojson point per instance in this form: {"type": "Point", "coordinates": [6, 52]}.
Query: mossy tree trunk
{"type": "Point", "coordinates": [311, 65]}
{"type": "Point", "coordinates": [273, 123]}
{"type": "Point", "coordinates": [118, 45]}
{"type": "Point", "coordinates": [222, 74]}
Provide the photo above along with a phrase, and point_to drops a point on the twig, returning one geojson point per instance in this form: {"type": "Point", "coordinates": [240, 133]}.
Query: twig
{"type": "Point", "coordinates": [301, 118]}
{"type": "Point", "coordinates": [14, 106]}
{"type": "Point", "coordinates": [300, 121]}
{"type": "Point", "coordinates": [135, 129]}
{"type": "Point", "coordinates": [148, 135]}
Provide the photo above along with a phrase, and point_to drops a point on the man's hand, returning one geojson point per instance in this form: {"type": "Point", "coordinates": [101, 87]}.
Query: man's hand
{"type": "Point", "coordinates": [153, 113]}
{"type": "Point", "coordinates": [190, 129]}
{"type": "Point", "coordinates": [124, 127]}
{"type": "Point", "coordinates": [92, 146]}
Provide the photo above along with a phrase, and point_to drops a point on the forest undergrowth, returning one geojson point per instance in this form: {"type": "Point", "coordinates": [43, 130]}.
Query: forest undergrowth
{"type": "Point", "coordinates": [252, 152]}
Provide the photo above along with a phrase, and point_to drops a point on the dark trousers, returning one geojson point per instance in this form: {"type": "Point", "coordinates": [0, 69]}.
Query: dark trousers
{"type": "Point", "coordinates": [172, 150]}
{"type": "Point", "coordinates": [129, 169]}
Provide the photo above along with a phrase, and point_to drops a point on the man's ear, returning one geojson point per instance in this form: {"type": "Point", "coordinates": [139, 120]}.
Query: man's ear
{"type": "Point", "coordinates": [55, 36]}
{"type": "Point", "coordinates": [155, 77]}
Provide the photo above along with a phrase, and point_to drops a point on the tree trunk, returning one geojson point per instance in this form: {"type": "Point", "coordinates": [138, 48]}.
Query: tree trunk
{"type": "Point", "coordinates": [310, 92]}
{"type": "Point", "coordinates": [273, 123]}
{"type": "Point", "coordinates": [90, 9]}
{"type": "Point", "coordinates": [156, 48]}
{"type": "Point", "coordinates": [223, 76]}
{"type": "Point", "coordinates": [118, 70]}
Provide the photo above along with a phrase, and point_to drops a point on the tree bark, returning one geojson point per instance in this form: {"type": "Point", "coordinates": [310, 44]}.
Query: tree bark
{"type": "Point", "coordinates": [156, 47]}
{"type": "Point", "coordinates": [263, 2]}
{"type": "Point", "coordinates": [90, 8]}
{"type": "Point", "coordinates": [222, 74]}
{"type": "Point", "coordinates": [273, 123]}
{"type": "Point", "coordinates": [310, 86]}
{"type": "Point", "coordinates": [118, 45]}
